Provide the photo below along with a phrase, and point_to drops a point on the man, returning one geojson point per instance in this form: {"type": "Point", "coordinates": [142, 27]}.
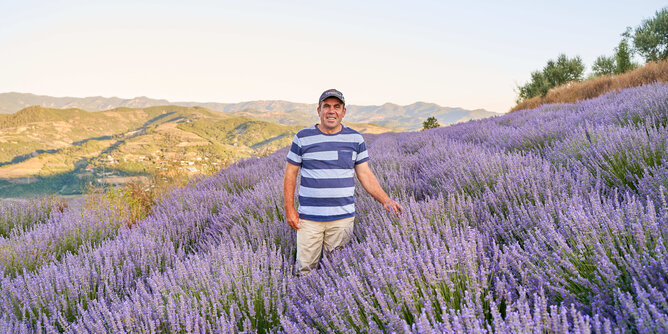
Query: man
{"type": "Point", "coordinates": [329, 155]}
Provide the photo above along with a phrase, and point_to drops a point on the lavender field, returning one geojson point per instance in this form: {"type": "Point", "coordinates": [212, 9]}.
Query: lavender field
{"type": "Point", "coordinates": [547, 220]}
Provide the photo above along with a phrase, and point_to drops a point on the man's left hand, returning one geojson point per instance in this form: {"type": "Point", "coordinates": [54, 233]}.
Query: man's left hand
{"type": "Point", "coordinates": [392, 206]}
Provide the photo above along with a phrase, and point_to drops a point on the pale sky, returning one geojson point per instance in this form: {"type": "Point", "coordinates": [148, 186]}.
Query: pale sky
{"type": "Point", "coordinates": [469, 54]}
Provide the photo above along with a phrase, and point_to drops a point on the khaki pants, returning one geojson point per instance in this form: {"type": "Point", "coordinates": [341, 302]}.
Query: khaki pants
{"type": "Point", "coordinates": [312, 235]}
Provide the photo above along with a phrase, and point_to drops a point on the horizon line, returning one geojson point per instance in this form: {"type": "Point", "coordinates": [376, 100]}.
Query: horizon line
{"type": "Point", "coordinates": [261, 100]}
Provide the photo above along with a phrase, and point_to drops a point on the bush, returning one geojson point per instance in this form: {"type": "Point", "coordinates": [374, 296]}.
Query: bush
{"type": "Point", "coordinates": [430, 123]}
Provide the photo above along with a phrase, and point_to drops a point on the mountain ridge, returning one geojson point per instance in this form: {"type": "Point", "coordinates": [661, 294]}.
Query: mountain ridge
{"type": "Point", "coordinates": [406, 118]}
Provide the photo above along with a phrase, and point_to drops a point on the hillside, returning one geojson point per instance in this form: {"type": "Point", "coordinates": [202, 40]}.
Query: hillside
{"type": "Point", "coordinates": [576, 91]}
{"type": "Point", "coordinates": [61, 151]}
{"type": "Point", "coordinates": [35, 129]}
{"type": "Point", "coordinates": [406, 118]}
{"type": "Point", "coordinates": [545, 220]}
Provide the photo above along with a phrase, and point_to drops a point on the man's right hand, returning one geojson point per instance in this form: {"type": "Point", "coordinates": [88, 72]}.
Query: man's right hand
{"type": "Point", "coordinates": [293, 218]}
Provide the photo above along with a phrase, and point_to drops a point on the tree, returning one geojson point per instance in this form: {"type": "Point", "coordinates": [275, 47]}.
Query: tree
{"type": "Point", "coordinates": [538, 86]}
{"type": "Point", "coordinates": [623, 61]}
{"type": "Point", "coordinates": [430, 123]}
{"type": "Point", "coordinates": [564, 70]}
{"type": "Point", "coordinates": [651, 37]}
{"type": "Point", "coordinates": [617, 64]}
{"type": "Point", "coordinates": [555, 73]}
{"type": "Point", "coordinates": [604, 66]}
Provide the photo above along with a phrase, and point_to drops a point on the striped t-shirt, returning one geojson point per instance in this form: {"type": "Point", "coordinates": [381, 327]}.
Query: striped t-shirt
{"type": "Point", "coordinates": [327, 163]}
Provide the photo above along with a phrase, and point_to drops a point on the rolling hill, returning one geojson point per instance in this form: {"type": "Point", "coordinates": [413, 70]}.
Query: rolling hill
{"type": "Point", "coordinates": [406, 118]}
{"type": "Point", "coordinates": [46, 150]}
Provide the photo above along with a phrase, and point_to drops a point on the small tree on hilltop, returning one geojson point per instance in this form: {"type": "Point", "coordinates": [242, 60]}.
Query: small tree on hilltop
{"type": "Point", "coordinates": [430, 123]}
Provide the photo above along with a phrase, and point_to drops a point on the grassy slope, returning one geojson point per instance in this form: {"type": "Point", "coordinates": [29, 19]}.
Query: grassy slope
{"type": "Point", "coordinates": [36, 129]}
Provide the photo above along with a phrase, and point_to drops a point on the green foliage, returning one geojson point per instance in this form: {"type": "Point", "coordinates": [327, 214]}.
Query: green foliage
{"type": "Point", "coordinates": [242, 131]}
{"type": "Point", "coordinates": [133, 167]}
{"type": "Point", "coordinates": [430, 123]}
{"type": "Point", "coordinates": [564, 70]}
{"type": "Point", "coordinates": [538, 86]}
{"type": "Point", "coordinates": [133, 201]}
{"type": "Point", "coordinates": [555, 73]}
{"type": "Point", "coordinates": [623, 61]}
{"type": "Point", "coordinates": [651, 37]}
{"type": "Point", "coordinates": [39, 114]}
{"type": "Point", "coordinates": [18, 150]}
{"type": "Point", "coordinates": [617, 64]}
{"type": "Point", "coordinates": [63, 184]}
{"type": "Point", "coordinates": [604, 66]}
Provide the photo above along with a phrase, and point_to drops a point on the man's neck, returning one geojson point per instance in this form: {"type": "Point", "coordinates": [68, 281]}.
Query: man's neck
{"type": "Point", "coordinates": [329, 132]}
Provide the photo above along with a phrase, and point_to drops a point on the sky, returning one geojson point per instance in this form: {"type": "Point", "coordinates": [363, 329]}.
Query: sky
{"type": "Point", "coordinates": [468, 54]}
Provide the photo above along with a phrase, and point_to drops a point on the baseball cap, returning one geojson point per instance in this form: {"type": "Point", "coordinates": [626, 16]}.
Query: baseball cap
{"type": "Point", "coordinates": [331, 93]}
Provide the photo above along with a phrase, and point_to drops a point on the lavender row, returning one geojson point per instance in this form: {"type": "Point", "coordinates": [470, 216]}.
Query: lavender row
{"type": "Point", "coordinates": [17, 216]}
{"type": "Point", "coordinates": [428, 257]}
{"type": "Point", "coordinates": [63, 233]}
{"type": "Point", "coordinates": [107, 271]}
{"type": "Point", "coordinates": [437, 214]}
{"type": "Point", "coordinates": [533, 130]}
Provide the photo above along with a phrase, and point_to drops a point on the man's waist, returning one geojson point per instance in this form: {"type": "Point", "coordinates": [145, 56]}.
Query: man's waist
{"type": "Point", "coordinates": [322, 218]}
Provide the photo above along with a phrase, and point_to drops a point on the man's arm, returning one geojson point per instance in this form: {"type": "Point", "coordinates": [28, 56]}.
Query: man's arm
{"type": "Point", "coordinates": [289, 184]}
{"type": "Point", "coordinates": [371, 185]}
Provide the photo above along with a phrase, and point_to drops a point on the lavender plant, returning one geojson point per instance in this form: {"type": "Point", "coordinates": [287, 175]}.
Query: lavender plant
{"type": "Point", "coordinates": [17, 216]}
{"type": "Point", "coordinates": [545, 220]}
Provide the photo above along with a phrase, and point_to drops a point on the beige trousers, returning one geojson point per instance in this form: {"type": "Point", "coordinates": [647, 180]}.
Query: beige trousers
{"type": "Point", "coordinates": [312, 235]}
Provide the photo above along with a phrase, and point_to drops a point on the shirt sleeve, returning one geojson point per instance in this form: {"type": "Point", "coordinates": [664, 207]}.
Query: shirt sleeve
{"type": "Point", "coordinates": [295, 154]}
{"type": "Point", "coordinates": [362, 153]}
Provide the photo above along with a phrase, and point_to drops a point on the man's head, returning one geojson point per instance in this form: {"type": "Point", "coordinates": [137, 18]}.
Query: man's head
{"type": "Point", "coordinates": [331, 109]}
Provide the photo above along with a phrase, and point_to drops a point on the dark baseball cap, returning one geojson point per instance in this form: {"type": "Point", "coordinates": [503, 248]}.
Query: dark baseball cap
{"type": "Point", "coordinates": [331, 93]}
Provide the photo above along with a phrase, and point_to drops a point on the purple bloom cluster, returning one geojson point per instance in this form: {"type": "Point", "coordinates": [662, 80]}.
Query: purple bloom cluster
{"type": "Point", "coordinates": [546, 220]}
{"type": "Point", "coordinates": [30, 246]}
{"type": "Point", "coordinates": [17, 216]}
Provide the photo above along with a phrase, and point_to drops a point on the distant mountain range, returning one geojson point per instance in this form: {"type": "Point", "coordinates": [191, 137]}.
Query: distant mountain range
{"type": "Point", "coordinates": [405, 118]}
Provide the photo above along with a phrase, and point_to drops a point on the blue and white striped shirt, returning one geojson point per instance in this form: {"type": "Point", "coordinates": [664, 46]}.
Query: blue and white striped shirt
{"type": "Point", "coordinates": [327, 165]}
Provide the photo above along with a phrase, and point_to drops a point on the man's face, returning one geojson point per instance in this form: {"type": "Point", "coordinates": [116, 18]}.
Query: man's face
{"type": "Point", "coordinates": [331, 112]}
